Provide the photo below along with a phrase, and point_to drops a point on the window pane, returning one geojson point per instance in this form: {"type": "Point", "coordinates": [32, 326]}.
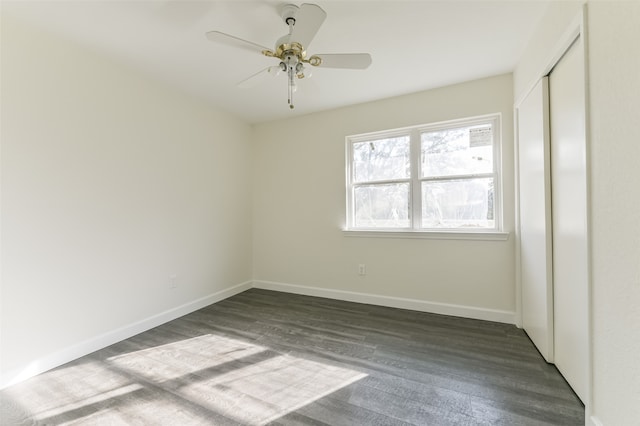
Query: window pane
{"type": "Point", "coordinates": [382, 206]}
{"type": "Point", "coordinates": [464, 203]}
{"type": "Point", "coordinates": [382, 159]}
{"type": "Point", "coordinates": [457, 151]}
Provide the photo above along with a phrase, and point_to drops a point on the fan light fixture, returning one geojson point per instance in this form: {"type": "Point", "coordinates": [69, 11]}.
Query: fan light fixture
{"type": "Point", "coordinates": [303, 22]}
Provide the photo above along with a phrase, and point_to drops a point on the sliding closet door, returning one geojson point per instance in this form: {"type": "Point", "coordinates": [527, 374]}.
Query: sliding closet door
{"type": "Point", "coordinates": [535, 218]}
{"type": "Point", "coordinates": [569, 213]}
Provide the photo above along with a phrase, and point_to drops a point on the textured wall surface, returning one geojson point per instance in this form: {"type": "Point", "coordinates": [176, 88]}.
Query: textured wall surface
{"type": "Point", "coordinates": [614, 68]}
{"type": "Point", "coordinates": [299, 206]}
{"type": "Point", "coordinates": [112, 184]}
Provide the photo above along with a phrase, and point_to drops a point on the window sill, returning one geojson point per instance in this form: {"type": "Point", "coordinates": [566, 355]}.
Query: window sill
{"type": "Point", "coordinates": [433, 235]}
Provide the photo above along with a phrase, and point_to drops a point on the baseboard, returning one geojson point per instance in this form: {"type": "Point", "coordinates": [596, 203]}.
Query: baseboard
{"type": "Point", "coordinates": [96, 343]}
{"type": "Point", "coordinates": [495, 315]}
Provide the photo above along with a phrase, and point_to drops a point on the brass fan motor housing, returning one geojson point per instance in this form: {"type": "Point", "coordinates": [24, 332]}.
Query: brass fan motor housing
{"type": "Point", "coordinates": [296, 49]}
{"type": "Point", "coordinates": [291, 48]}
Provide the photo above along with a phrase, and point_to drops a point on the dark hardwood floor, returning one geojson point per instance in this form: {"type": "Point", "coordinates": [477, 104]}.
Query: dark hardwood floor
{"type": "Point", "coordinates": [263, 357]}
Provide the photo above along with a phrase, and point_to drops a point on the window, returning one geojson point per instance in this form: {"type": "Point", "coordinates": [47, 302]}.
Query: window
{"type": "Point", "coordinates": [433, 178]}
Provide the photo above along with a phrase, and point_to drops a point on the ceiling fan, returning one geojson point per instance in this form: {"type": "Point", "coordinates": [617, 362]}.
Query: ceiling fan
{"type": "Point", "coordinates": [303, 22]}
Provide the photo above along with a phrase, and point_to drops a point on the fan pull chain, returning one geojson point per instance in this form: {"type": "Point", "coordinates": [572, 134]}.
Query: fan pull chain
{"type": "Point", "coordinates": [291, 83]}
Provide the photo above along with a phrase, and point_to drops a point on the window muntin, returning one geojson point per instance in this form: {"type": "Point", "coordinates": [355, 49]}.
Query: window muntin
{"type": "Point", "coordinates": [441, 177]}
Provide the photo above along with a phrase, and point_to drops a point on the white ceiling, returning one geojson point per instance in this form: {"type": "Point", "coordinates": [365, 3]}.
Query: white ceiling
{"type": "Point", "coordinates": [415, 45]}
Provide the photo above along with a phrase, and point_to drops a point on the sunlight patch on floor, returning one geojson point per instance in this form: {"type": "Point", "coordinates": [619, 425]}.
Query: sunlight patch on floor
{"type": "Point", "coordinates": [265, 391]}
{"type": "Point", "coordinates": [183, 382]}
{"type": "Point", "coordinates": [89, 400]}
{"type": "Point", "coordinates": [67, 389]}
{"type": "Point", "coordinates": [190, 356]}
{"type": "Point", "coordinates": [243, 381]}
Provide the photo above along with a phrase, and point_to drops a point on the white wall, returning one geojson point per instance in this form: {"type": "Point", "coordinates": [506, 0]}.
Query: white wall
{"type": "Point", "coordinates": [110, 184]}
{"type": "Point", "coordinates": [613, 88]}
{"type": "Point", "coordinates": [299, 209]}
{"type": "Point", "coordinates": [614, 67]}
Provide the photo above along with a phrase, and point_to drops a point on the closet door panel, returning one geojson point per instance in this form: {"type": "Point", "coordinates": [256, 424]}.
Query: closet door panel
{"type": "Point", "coordinates": [535, 218]}
{"type": "Point", "coordinates": [569, 217]}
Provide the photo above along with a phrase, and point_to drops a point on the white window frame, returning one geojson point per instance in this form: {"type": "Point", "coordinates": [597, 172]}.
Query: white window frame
{"type": "Point", "coordinates": [415, 196]}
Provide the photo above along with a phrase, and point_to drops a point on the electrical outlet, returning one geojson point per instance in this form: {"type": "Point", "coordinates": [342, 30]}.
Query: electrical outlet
{"type": "Point", "coordinates": [173, 281]}
{"type": "Point", "coordinates": [362, 270]}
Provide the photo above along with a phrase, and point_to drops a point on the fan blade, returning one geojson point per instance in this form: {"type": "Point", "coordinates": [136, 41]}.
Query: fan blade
{"type": "Point", "coordinates": [260, 76]}
{"type": "Point", "coordinates": [234, 41]}
{"type": "Point", "coordinates": [309, 18]}
{"type": "Point", "coordinates": [356, 61]}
